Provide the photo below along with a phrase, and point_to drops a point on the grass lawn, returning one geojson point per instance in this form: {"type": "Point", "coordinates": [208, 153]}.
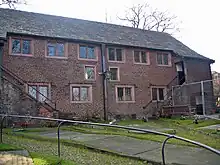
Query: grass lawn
{"type": "Point", "coordinates": [183, 128]}
{"type": "Point", "coordinates": [8, 147]}
{"type": "Point", "coordinates": [42, 159]}
{"type": "Point", "coordinates": [71, 155]}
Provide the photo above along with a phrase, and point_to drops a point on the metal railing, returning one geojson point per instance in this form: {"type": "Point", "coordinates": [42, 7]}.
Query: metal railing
{"type": "Point", "coordinates": [23, 82]}
{"type": "Point", "coordinates": [168, 136]}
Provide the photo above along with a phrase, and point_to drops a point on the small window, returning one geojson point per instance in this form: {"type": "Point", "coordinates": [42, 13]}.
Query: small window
{"type": "Point", "coordinates": [90, 72]}
{"type": "Point", "coordinates": [39, 92]}
{"type": "Point", "coordinates": [87, 52]}
{"type": "Point", "coordinates": [21, 46]}
{"type": "Point", "coordinates": [114, 73]}
{"type": "Point", "coordinates": [81, 93]}
{"type": "Point", "coordinates": [55, 49]}
{"type": "Point", "coordinates": [140, 57]}
{"type": "Point", "coordinates": [115, 54]}
{"type": "Point", "coordinates": [163, 59]}
{"type": "Point", "coordinates": [158, 94]}
{"type": "Point", "coordinates": [124, 94]}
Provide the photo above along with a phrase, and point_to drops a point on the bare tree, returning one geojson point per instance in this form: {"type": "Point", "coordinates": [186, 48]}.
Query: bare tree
{"type": "Point", "coordinates": [144, 17]}
{"type": "Point", "coordinates": [12, 3]}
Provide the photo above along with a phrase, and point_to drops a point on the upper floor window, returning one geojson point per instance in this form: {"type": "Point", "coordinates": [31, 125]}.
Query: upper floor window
{"type": "Point", "coordinates": [55, 50]}
{"type": "Point", "coordinates": [115, 54]}
{"type": "Point", "coordinates": [39, 91]}
{"type": "Point", "coordinates": [164, 59]}
{"type": "Point", "coordinates": [125, 94]}
{"type": "Point", "coordinates": [90, 72]}
{"type": "Point", "coordinates": [114, 73]}
{"type": "Point", "coordinates": [21, 46]}
{"type": "Point", "coordinates": [81, 93]}
{"type": "Point", "coordinates": [158, 94]}
{"type": "Point", "coordinates": [141, 57]}
{"type": "Point", "coordinates": [87, 52]}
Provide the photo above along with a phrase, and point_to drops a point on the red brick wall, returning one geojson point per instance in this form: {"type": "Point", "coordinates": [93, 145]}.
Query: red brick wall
{"type": "Point", "coordinates": [63, 72]}
{"type": "Point", "coordinates": [60, 73]}
{"type": "Point", "coordinates": [142, 77]}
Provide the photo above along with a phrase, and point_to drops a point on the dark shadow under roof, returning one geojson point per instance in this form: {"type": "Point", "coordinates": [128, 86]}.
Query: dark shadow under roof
{"type": "Point", "coordinates": [70, 28]}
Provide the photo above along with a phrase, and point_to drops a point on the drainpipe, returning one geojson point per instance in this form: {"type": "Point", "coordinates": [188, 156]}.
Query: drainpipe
{"type": "Point", "coordinates": [1, 59]}
{"type": "Point", "coordinates": [104, 82]}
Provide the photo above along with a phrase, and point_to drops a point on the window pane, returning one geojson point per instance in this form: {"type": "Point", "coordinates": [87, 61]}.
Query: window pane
{"type": "Point", "coordinates": [82, 53]}
{"type": "Point", "coordinates": [114, 73]}
{"type": "Point", "coordinates": [111, 54]}
{"type": "Point", "coordinates": [32, 91]}
{"type": "Point", "coordinates": [60, 49]}
{"type": "Point", "coordinates": [161, 95]}
{"type": "Point", "coordinates": [91, 53]}
{"type": "Point", "coordinates": [143, 57]}
{"type": "Point", "coordinates": [154, 93]}
{"type": "Point", "coordinates": [75, 94]}
{"type": "Point", "coordinates": [128, 94]}
{"type": "Point", "coordinates": [120, 94]}
{"type": "Point", "coordinates": [43, 93]}
{"type": "Point", "coordinates": [137, 56]}
{"type": "Point", "coordinates": [16, 46]}
{"type": "Point", "coordinates": [165, 59]}
{"type": "Point", "coordinates": [159, 59]}
{"type": "Point", "coordinates": [84, 94]}
{"type": "Point", "coordinates": [26, 47]}
{"type": "Point", "coordinates": [51, 50]}
{"type": "Point", "coordinates": [119, 54]}
{"type": "Point", "coordinates": [89, 73]}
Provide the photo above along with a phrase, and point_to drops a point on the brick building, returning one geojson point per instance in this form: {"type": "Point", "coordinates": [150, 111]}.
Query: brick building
{"type": "Point", "coordinates": [95, 69]}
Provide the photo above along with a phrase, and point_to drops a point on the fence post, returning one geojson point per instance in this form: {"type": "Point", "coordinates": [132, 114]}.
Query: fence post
{"type": "Point", "coordinates": [58, 137]}
{"type": "Point", "coordinates": [203, 97]}
{"type": "Point", "coordinates": [172, 97]}
{"type": "Point", "coordinates": [2, 121]}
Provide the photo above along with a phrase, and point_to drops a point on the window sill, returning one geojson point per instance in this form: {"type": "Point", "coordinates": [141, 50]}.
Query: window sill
{"type": "Point", "coordinates": [116, 61]}
{"type": "Point", "coordinates": [57, 57]}
{"type": "Point", "coordinates": [114, 80]}
{"type": "Point", "coordinates": [91, 80]}
{"type": "Point", "coordinates": [164, 65]}
{"type": "Point", "coordinates": [24, 55]}
{"type": "Point", "coordinates": [87, 59]}
{"type": "Point", "coordinates": [125, 101]}
{"type": "Point", "coordinates": [159, 101]}
{"type": "Point", "coordinates": [137, 63]}
{"type": "Point", "coordinates": [80, 102]}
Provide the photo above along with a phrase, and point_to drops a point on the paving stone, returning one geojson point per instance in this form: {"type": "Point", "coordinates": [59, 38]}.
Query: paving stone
{"type": "Point", "coordinates": [20, 157]}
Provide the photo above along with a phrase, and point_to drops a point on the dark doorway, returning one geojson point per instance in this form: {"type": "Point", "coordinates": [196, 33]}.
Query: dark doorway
{"type": "Point", "coordinates": [180, 72]}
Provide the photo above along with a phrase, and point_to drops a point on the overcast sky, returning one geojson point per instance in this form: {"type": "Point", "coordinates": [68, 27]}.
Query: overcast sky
{"type": "Point", "coordinates": [200, 28]}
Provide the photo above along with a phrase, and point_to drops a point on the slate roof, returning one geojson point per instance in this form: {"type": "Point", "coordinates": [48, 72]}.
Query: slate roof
{"type": "Point", "coordinates": [70, 28]}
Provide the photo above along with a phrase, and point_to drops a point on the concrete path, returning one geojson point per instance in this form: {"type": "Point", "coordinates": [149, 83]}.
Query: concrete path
{"type": "Point", "coordinates": [212, 127]}
{"type": "Point", "coordinates": [144, 149]}
{"type": "Point", "coordinates": [20, 157]}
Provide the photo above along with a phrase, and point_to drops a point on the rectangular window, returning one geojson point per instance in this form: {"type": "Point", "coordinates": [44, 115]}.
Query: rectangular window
{"type": "Point", "coordinates": [163, 59]}
{"type": "Point", "coordinates": [140, 57]}
{"type": "Point", "coordinates": [81, 93]}
{"type": "Point", "coordinates": [114, 71]}
{"type": "Point", "coordinates": [39, 92]}
{"type": "Point", "coordinates": [21, 46]}
{"type": "Point", "coordinates": [55, 50]}
{"type": "Point", "coordinates": [158, 94]}
{"type": "Point", "coordinates": [115, 54]}
{"type": "Point", "coordinates": [125, 94]}
{"type": "Point", "coordinates": [90, 72]}
{"type": "Point", "coordinates": [87, 52]}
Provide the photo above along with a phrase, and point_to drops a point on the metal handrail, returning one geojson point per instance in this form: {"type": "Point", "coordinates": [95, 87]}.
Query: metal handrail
{"type": "Point", "coordinates": [169, 136]}
{"type": "Point", "coordinates": [23, 82]}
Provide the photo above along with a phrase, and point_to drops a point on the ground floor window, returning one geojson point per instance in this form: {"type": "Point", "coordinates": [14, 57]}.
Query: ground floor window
{"type": "Point", "coordinates": [80, 93]}
{"type": "Point", "coordinates": [158, 93]}
{"type": "Point", "coordinates": [39, 91]}
{"type": "Point", "coordinates": [124, 93]}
